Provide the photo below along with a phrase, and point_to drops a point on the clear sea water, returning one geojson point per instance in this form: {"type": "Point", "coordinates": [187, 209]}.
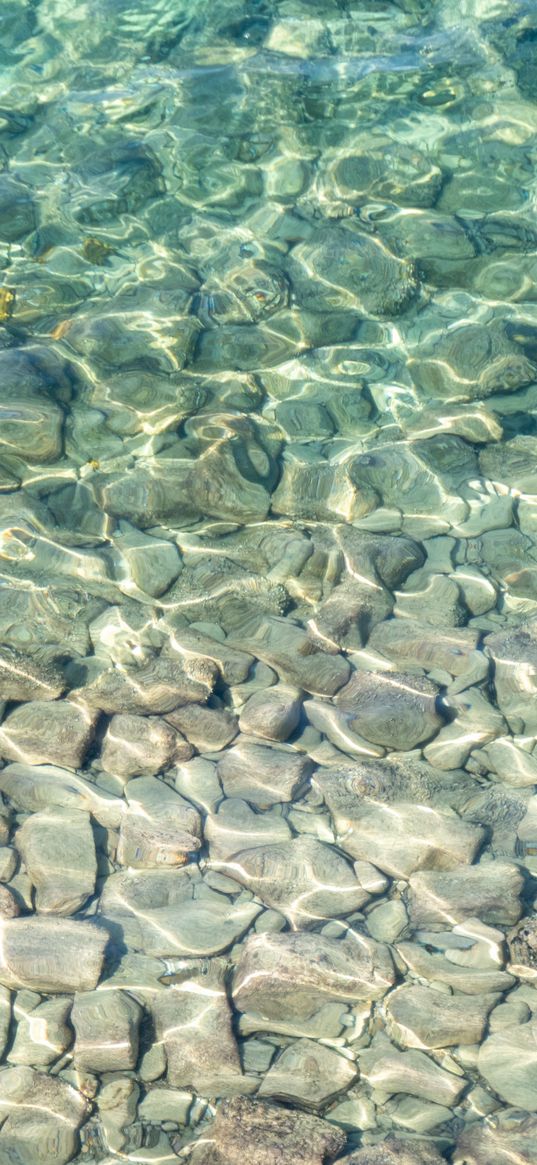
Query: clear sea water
{"type": "Point", "coordinates": [268, 581]}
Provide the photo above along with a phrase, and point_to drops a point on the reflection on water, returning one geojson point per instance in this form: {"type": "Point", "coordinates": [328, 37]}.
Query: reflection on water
{"type": "Point", "coordinates": [268, 582]}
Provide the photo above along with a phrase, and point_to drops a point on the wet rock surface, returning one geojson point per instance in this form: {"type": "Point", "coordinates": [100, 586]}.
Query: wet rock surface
{"type": "Point", "coordinates": [422, 1018]}
{"type": "Point", "coordinates": [496, 1140]}
{"type": "Point", "coordinates": [395, 1152]}
{"type": "Point", "coordinates": [43, 1114]}
{"type": "Point", "coordinates": [106, 1026]}
{"type": "Point", "coordinates": [304, 879]}
{"type": "Point", "coordinates": [51, 955]}
{"type": "Point", "coordinates": [193, 1019]}
{"type": "Point", "coordinates": [42, 733]}
{"type": "Point", "coordinates": [245, 1127]}
{"type": "Point", "coordinates": [58, 850]}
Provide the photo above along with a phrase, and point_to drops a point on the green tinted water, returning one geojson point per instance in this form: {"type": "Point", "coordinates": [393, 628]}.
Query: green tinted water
{"type": "Point", "coordinates": [268, 581]}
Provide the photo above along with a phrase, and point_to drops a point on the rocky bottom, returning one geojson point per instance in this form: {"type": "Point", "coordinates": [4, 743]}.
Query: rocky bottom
{"type": "Point", "coordinates": [268, 582]}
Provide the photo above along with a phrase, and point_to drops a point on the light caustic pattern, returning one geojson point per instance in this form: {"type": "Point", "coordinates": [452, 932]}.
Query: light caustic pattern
{"type": "Point", "coordinates": [268, 582]}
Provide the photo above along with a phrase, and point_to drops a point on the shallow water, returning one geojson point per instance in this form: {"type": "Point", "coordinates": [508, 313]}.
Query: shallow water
{"type": "Point", "coordinates": [268, 582]}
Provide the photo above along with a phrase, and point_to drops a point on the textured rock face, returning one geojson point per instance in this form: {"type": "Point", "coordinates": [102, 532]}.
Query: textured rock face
{"type": "Point", "coordinates": [392, 709]}
{"type": "Point", "coordinates": [159, 828]}
{"type": "Point", "coordinates": [263, 776]}
{"type": "Point", "coordinates": [43, 1117]}
{"type": "Point", "coordinates": [491, 892]}
{"type": "Point", "coordinates": [53, 955]}
{"type": "Point", "coordinates": [287, 976]}
{"type": "Point", "coordinates": [245, 1128]}
{"type": "Point", "coordinates": [395, 1152]}
{"type": "Point", "coordinates": [304, 879]}
{"type": "Point", "coordinates": [58, 850]}
{"type": "Point", "coordinates": [106, 1026]}
{"type": "Point", "coordinates": [422, 1018]}
{"type": "Point", "coordinates": [58, 733]}
{"type": "Point", "coordinates": [136, 746]}
{"type": "Point", "coordinates": [193, 1021]}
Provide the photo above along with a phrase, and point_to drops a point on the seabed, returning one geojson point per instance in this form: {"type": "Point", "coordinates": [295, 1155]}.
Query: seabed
{"type": "Point", "coordinates": [268, 582]}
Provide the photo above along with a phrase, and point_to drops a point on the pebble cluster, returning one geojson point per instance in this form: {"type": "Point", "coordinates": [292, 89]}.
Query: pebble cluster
{"type": "Point", "coordinates": [268, 582]}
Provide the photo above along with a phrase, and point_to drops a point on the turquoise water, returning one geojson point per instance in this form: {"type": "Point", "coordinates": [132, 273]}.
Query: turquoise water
{"type": "Point", "coordinates": [268, 582]}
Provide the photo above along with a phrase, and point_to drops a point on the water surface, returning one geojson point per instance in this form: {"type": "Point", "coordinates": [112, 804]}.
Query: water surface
{"type": "Point", "coordinates": [268, 581]}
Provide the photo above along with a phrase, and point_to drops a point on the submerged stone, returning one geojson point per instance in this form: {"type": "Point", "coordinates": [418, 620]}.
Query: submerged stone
{"type": "Point", "coordinates": [117, 1102]}
{"type": "Point", "coordinates": [151, 563]}
{"type": "Point", "coordinates": [42, 787]}
{"type": "Point", "coordinates": [286, 978]}
{"type": "Point", "coordinates": [391, 708]}
{"type": "Point", "coordinates": [303, 878]}
{"type": "Point", "coordinates": [44, 1115]}
{"type": "Point", "coordinates": [435, 968]}
{"type": "Point", "coordinates": [263, 775]}
{"type": "Point", "coordinates": [395, 1152]}
{"type": "Point", "coordinates": [246, 1129]}
{"type": "Point", "coordinates": [193, 1020]}
{"type": "Point", "coordinates": [163, 912]}
{"type": "Point", "coordinates": [57, 733]}
{"type": "Point", "coordinates": [514, 653]}
{"type": "Point", "coordinates": [383, 1066]}
{"type": "Point", "coordinates": [9, 905]}
{"type": "Point", "coordinates": [17, 209]}
{"type": "Point", "coordinates": [421, 1018]}
{"type": "Point", "coordinates": [345, 268]}
{"type": "Point", "coordinates": [32, 429]}
{"type": "Point", "coordinates": [496, 1140]}
{"type": "Point", "coordinates": [23, 679]}
{"type": "Point", "coordinates": [158, 686]}
{"type": "Point", "coordinates": [58, 850]}
{"type": "Point", "coordinates": [272, 714]}
{"type": "Point", "coordinates": [297, 658]}
{"type": "Point", "coordinates": [309, 1075]}
{"type": "Point", "coordinates": [159, 828]}
{"type": "Point", "coordinates": [43, 1033]}
{"type": "Point", "coordinates": [236, 823]}
{"type": "Point", "coordinates": [53, 955]}
{"type": "Point", "coordinates": [507, 1062]}
{"type": "Point", "coordinates": [136, 746]}
{"type": "Point", "coordinates": [489, 891]}
{"type": "Point", "coordinates": [184, 489]}
{"type": "Point", "coordinates": [523, 944]}
{"type": "Point", "coordinates": [106, 1025]}
{"type": "Point", "coordinates": [409, 643]}
{"type": "Point", "coordinates": [207, 729]}
{"type": "Point", "coordinates": [399, 837]}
